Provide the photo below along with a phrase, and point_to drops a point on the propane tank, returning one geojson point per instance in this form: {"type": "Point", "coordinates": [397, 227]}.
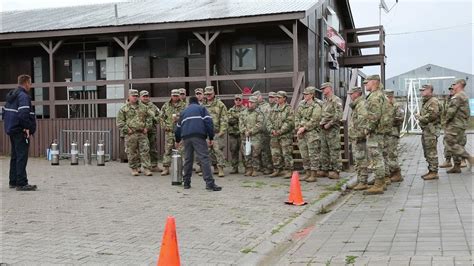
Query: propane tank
{"type": "Point", "coordinates": [54, 153]}
{"type": "Point", "coordinates": [100, 154]}
{"type": "Point", "coordinates": [74, 154]}
{"type": "Point", "coordinates": [87, 153]}
{"type": "Point", "coordinates": [176, 168]}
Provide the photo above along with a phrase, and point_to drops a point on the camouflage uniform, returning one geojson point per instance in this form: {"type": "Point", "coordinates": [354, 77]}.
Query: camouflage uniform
{"type": "Point", "coordinates": [235, 140]}
{"type": "Point", "coordinates": [457, 118]}
{"type": "Point", "coordinates": [308, 115]}
{"type": "Point", "coordinates": [396, 114]}
{"type": "Point", "coordinates": [132, 119]}
{"type": "Point", "coordinates": [169, 116]}
{"type": "Point", "coordinates": [358, 138]}
{"type": "Point", "coordinates": [267, 163]}
{"type": "Point", "coordinates": [218, 112]}
{"type": "Point", "coordinates": [152, 132]}
{"type": "Point", "coordinates": [430, 123]}
{"type": "Point", "coordinates": [283, 122]}
{"type": "Point", "coordinates": [330, 138]}
{"type": "Point", "coordinates": [253, 121]}
{"type": "Point", "coordinates": [463, 142]}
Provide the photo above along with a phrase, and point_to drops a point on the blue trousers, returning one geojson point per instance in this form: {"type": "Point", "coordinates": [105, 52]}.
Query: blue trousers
{"type": "Point", "coordinates": [19, 158]}
{"type": "Point", "coordinates": [198, 145]}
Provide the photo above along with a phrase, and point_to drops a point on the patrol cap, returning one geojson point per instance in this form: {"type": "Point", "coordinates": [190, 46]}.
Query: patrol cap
{"type": "Point", "coordinates": [182, 91]}
{"type": "Point", "coordinates": [133, 92]}
{"type": "Point", "coordinates": [325, 85]}
{"type": "Point", "coordinates": [209, 90]}
{"type": "Point", "coordinates": [174, 92]}
{"type": "Point", "coordinates": [354, 89]}
{"type": "Point", "coordinates": [460, 81]}
{"type": "Point", "coordinates": [281, 94]}
{"type": "Point", "coordinates": [272, 94]}
{"type": "Point", "coordinates": [309, 90]}
{"type": "Point", "coordinates": [256, 93]}
{"type": "Point", "coordinates": [253, 99]}
{"type": "Point", "coordinates": [144, 93]}
{"type": "Point", "coordinates": [198, 90]}
{"type": "Point", "coordinates": [426, 86]}
{"type": "Point", "coordinates": [238, 96]}
{"type": "Point", "coordinates": [373, 77]}
{"type": "Point", "coordinates": [389, 92]}
{"type": "Point", "coordinates": [365, 81]}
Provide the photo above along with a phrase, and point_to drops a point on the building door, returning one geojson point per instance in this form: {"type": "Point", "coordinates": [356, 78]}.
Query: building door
{"type": "Point", "coordinates": [278, 58]}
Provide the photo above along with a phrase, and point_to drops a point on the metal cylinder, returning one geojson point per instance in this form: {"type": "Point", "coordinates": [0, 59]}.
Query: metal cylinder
{"type": "Point", "coordinates": [74, 154]}
{"type": "Point", "coordinates": [87, 153]}
{"type": "Point", "coordinates": [176, 169]}
{"type": "Point", "coordinates": [100, 154]}
{"type": "Point", "coordinates": [54, 153]}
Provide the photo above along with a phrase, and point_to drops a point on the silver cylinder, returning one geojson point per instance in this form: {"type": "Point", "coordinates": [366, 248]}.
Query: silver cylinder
{"type": "Point", "coordinates": [176, 169]}
{"type": "Point", "coordinates": [87, 153]}
{"type": "Point", "coordinates": [54, 153]}
{"type": "Point", "coordinates": [100, 154]}
{"type": "Point", "coordinates": [74, 154]}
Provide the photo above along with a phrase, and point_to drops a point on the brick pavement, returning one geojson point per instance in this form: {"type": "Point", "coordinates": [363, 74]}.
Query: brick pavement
{"type": "Point", "coordinates": [102, 215]}
{"type": "Point", "coordinates": [415, 222]}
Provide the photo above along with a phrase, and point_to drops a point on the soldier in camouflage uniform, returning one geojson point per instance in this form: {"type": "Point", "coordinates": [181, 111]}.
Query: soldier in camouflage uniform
{"type": "Point", "coordinates": [235, 140]}
{"type": "Point", "coordinates": [152, 132]}
{"type": "Point", "coordinates": [134, 120]}
{"type": "Point", "coordinates": [307, 118]}
{"type": "Point", "coordinates": [272, 99]}
{"type": "Point", "coordinates": [252, 125]}
{"type": "Point", "coordinates": [218, 112]}
{"type": "Point", "coordinates": [430, 122]}
{"type": "Point", "coordinates": [281, 126]}
{"type": "Point", "coordinates": [182, 96]}
{"type": "Point", "coordinates": [357, 136]}
{"type": "Point", "coordinates": [377, 126]}
{"type": "Point", "coordinates": [396, 114]}
{"type": "Point", "coordinates": [457, 118]}
{"type": "Point", "coordinates": [199, 93]}
{"type": "Point", "coordinates": [330, 133]}
{"type": "Point", "coordinates": [169, 116]}
{"type": "Point", "coordinates": [265, 108]}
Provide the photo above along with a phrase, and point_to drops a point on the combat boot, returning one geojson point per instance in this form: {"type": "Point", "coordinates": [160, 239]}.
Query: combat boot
{"type": "Point", "coordinates": [248, 171]}
{"type": "Point", "coordinates": [432, 175]}
{"type": "Point", "coordinates": [333, 175]}
{"type": "Point", "coordinates": [220, 171]}
{"type": "Point", "coordinates": [423, 176]}
{"type": "Point", "coordinates": [135, 172]}
{"type": "Point", "coordinates": [361, 186]}
{"type": "Point", "coordinates": [377, 188]}
{"type": "Point", "coordinates": [307, 175]}
{"type": "Point", "coordinates": [216, 169]}
{"type": "Point", "coordinates": [388, 181]}
{"type": "Point", "coordinates": [276, 172]}
{"type": "Point", "coordinates": [396, 176]}
{"type": "Point", "coordinates": [322, 173]}
{"type": "Point", "coordinates": [148, 172]}
{"type": "Point", "coordinates": [235, 170]}
{"type": "Point", "coordinates": [463, 163]}
{"type": "Point", "coordinates": [254, 173]}
{"type": "Point", "coordinates": [286, 174]}
{"type": "Point", "coordinates": [446, 164]}
{"type": "Point", "coordinates": [313, 177]}
{"type": "Point", "coordinates": [455, 170]}
{"type": "Point", "coordinates": [166, 171]}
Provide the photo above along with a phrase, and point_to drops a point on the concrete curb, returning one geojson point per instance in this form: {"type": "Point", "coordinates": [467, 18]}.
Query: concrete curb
{"type": "Point", "coordinates": [262, 250]}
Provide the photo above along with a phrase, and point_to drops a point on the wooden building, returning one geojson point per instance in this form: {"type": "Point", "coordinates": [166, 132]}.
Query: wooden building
{"type": "Point", "coordinates": [83, 59]}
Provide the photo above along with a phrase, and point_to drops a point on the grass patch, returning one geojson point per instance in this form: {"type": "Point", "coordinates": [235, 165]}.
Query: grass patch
{"type": "Point", "coordinates": [285, 223]}
{"type": "Point", "coordinates": [253, 184]}
{"type": "Point", "coordinates": [247, 250]}
{"type": "Point", "coordinates": [324, 194]}
{"type": "Point", "coordinates": [351, 259]}
{"type": "Point", "coordinates": [337, 186]}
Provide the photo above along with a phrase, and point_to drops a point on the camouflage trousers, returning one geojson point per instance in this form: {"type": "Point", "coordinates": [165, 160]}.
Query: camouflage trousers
{"type": "Point", "coordinates": [169, 146]}
{"type": "Point", "coordinates": [266, 156]}
{"type": "Point", "coordinates": [254, 160]}
{"type": "Point", "coordinates": [359, 151]}
{"type": "Point", "coordinates": [455, 140]}
{"type": "Point", "coordinates": [310, 150]}
{"type": "Point", "coordinates": [331, 149]}
{"type": "Point", "coordinates": [282, 152]}
{"type": "Point", "coordinates": [235, 147]}
{"type": "Point", "coordinates": [429, 143]}
{"type": "Point", "coordinates": [447, 153]}
{"type": "Point", "coordinates": [375, 147]}
{"type": "Point", "coordinates": [391, 149]}
{"type": "Point", "coordinates": [153, 150]}
{"type": "Point", "coordinates": [216, 151]}
{"type": "Point", "coordinates": [138, 150]}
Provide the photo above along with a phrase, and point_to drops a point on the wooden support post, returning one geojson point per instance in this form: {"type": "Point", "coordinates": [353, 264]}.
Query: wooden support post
{"type": "Point", "coordinates": [50, 49]}
{"type": "Point", "coordinates": [295, 54]}
{"type": "Point", "coordinates": [126, 45]}
{"type": "Point", "coordinates": [207, 43]}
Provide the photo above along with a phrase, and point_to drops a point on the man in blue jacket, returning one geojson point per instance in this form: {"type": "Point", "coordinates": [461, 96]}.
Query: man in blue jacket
{"type": "Point", "coordinates": [194, 127]}
{"type": "Point", "coordinates": [20, 124]}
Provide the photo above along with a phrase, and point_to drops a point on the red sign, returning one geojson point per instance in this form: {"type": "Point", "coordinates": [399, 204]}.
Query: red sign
{"type": "Point", "coordinates": [335, 38]}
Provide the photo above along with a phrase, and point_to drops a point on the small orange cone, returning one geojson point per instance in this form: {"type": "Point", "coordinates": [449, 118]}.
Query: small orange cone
{"type": "Point", "coordinates": [169, 254]}
{"type": "Point", "coordinates": [295, 197]}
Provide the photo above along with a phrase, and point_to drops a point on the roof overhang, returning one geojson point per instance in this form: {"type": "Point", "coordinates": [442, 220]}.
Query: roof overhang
{"type": "Point", "coordinates": [153, 27]}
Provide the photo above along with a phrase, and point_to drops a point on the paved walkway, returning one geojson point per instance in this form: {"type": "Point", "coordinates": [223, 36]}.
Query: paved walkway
{"type": "Point", "coordinates": [415, 222]}
{"type": "Point", "coordinates": [102, 215]}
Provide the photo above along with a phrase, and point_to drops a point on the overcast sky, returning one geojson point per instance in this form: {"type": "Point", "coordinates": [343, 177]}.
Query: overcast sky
{"type": "Point", "coordinates": [447, 40]}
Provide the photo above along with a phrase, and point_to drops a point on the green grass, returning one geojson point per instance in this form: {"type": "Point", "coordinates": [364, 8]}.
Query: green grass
{"type": "Point", "coordinates": [247, 250]}
{"type": "Point", "coordinates": [337, 186]}
{"type": "Point", "coordinates": [350, 259]}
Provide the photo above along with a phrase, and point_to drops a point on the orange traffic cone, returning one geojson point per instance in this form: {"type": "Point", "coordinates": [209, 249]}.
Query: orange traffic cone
{"type": "Point", "coordinates": [169, 254]}
{"type": "Point", "coordinates": [295, 197]}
